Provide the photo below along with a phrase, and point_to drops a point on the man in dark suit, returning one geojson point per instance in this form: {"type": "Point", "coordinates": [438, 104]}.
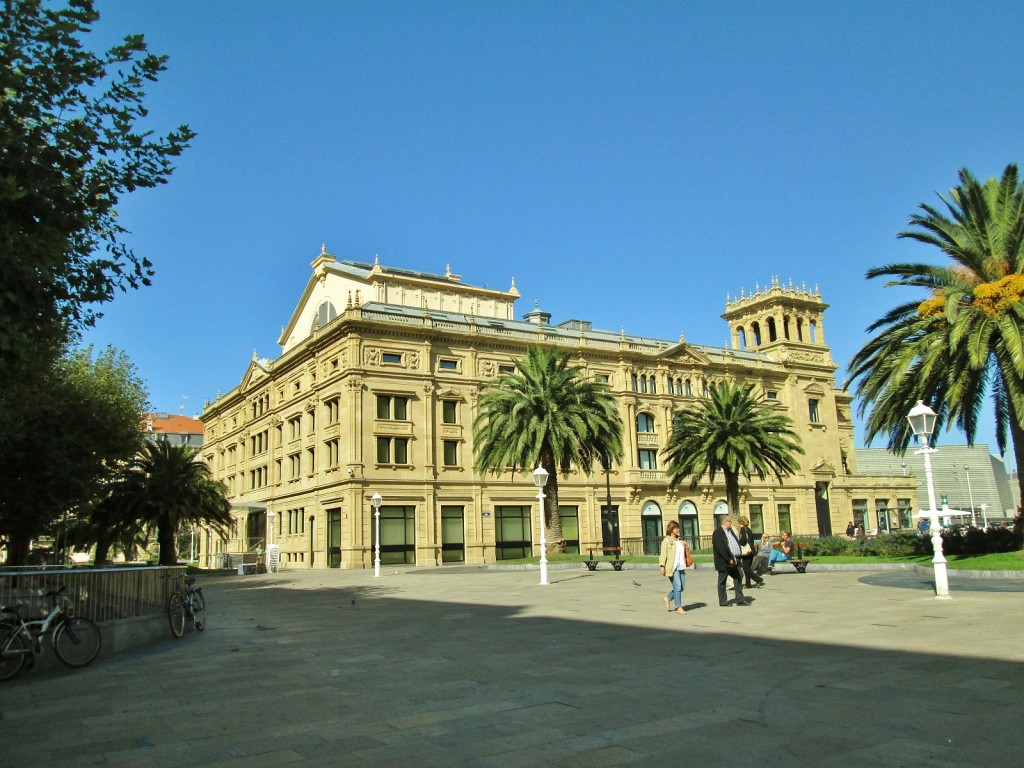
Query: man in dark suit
{"type": "Point", "coordinates": [727, 559]}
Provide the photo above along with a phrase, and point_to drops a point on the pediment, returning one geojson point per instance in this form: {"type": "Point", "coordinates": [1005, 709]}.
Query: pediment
{"type": "Point", "coordinates": [258, 370]}
{"type": "Point", "coordinates": [683, 354]}
{"type": "Point", "coordinates": [824, 467]}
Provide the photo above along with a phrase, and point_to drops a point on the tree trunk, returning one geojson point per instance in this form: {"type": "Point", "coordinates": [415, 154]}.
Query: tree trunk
{"type": "Point", "coordinates": [732, 493]}
{"type": "Point", "coordinates": [165, 538]}
{"type": "Point", "coordinates": [18, 546]}
{"type": "Point", "coordinates": [552, 518]}
{"type": "Point", "coordinates": [1017, 441]}
{"type": "Point", "coordinates": [102, 550]}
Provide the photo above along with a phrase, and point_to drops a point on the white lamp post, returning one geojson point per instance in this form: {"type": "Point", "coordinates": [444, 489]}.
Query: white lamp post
{"type": "Point", "coordinates": [376, 500]}
{"type": "Point", "coordinates": [270, 538]}
{"type": "Point", "coordinates": [540, 479]}
{"type": "Point", "coordinates": [922, 423]}
{"type": "Point", "coordinates": [970, 493]}
{"type": "Point", "coordinates": [984, 515]}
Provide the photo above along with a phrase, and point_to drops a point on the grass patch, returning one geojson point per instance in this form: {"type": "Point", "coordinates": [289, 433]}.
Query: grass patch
{"type": "Point", "coordinates": [999, 561]}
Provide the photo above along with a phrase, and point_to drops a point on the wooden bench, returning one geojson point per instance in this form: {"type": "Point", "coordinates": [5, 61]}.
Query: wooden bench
{"type": "Point", "coordinates": [616, 561]}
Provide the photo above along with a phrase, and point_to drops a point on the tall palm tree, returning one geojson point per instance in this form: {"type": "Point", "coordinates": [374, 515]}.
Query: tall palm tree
{"type": "Point", "coordinates": [547, 413]}
{"type": "Point", "coordinates": [163, 487]}
{"type": "Point", "coordinates": [965, 340]}
{"type": "Point", "coordinates": [732, 432]}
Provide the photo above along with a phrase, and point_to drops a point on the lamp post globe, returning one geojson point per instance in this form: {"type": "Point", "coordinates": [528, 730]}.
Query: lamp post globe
{"type": "Point", "coordinates": [375, 502]}
{"type": "Point", "coordinates": [922, 423]}
{"type": "Point", "coordinates": [540, 479]}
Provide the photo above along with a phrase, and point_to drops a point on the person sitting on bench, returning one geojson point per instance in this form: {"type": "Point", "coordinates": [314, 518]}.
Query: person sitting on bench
{"type": "Point", "coordinates": [781, 552]}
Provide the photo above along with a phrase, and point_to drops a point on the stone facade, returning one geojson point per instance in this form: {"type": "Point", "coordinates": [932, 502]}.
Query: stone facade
{"type": "Point", "coordinates": [375, 391]}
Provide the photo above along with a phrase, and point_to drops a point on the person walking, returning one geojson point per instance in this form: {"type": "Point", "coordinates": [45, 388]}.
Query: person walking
{"type": "Point", "coordinates": [673, 565]}
{"type": "Point", "coordinates": [748, 548]}
{"type": "Point", "coordinates": [727, 558]}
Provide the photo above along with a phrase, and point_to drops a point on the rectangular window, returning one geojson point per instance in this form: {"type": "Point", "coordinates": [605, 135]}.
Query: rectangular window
{"type": "Point", "coordinates": [771, 395]}
{"type": "Point", "coordinates": [311, 460]}
{"type": "Point", "coordinates": [453, 548]}
{"type": "Point", "coordinates": [451, 453]}
{"type": "Point", "coordinates": [449, 411]}
{"type": "Point", "coordinates": [757, 519]}
{"type": "Point", "coordinates": [503, 369]}
{"type": "Point", "coordinates": [647, 459]}
{"type": "Point", "coordinates": [882, 515]}
{"type": "Point", "coordinates": [332, 449]}
{"type": "Point", "coordinates": [906, 513]}
{"type": "Point", "coordinates": [295, 427]}
{"type": "Point", "coordinates": [446, 364]}
{"type": "Point", "coordinates": [332, 409]}
{"type": "Point", "coordinates": [294, 466]}
{"type": "Point", "coordinates": [785, 519]}
{"type": "Point", "coordinates": [860, 513]}
{"type": "Point", "coordinates": [392, 407]}
{"type": "Point", "coordinates": [570, 528]}
{"type": "Point", "coordinates": [602, 378]}
{"type": "Point", "coordinates": [391, 357]}
{"type": "Point", "coordinates": [812, 411]}
{"type": "Point", "coordinates": [513, 533]}
{"type": "Point", "coordinates": [397, 535]}
{"type": "Point", "coordinates": [392, 450]}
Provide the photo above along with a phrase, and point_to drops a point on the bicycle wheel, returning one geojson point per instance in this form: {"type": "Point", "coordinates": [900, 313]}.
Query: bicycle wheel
{"type": "Point", "coordinates": [199, 609]}
{"type": "Point", "coordinates": [77, 641]}
{"type": "Point", "coordinates": [176, 615]}
{"type": "Point", "coordinates": [13, 651]}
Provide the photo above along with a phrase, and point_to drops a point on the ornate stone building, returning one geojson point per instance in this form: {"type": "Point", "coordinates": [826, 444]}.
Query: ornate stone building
{"type": "Point", "coordinates": [375, 391]}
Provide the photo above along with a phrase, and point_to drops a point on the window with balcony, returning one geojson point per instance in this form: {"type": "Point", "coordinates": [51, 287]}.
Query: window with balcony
{"type": "Point", "coordinates": [451, 453]}
{"type": "Point", "coordinates": [392, 407]}
{"type": "Point", "coordinates": [647, 459]}
{"type": "Point", "coordinates": [332, 410]}
{"type": "Point", "coordinates": [449, 412]}
{"type": "Point", "coordinates": [392, 450]}
{"type": "Point", "coordinates": [644, 422]}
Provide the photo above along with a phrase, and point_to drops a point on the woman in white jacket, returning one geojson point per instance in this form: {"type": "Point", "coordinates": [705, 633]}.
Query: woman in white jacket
{"type": "Point", "coordinates": [673, 565]}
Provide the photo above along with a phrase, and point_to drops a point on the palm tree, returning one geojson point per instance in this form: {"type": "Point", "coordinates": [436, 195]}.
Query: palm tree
{"type": "Point", "coordinates": [732, 432]}
{"type": "Point", "coordinates": [965, 340]}
{"type": "Point", "coordinates": [164, 487]}
{"type": "Point", "coordinates": [546, 413]}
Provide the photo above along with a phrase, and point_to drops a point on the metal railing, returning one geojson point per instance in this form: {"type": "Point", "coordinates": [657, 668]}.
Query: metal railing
{"type": "Point", "coordinates": [101, 594]}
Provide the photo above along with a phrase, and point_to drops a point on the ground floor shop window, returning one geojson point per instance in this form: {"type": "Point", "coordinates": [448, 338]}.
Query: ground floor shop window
{"type": "Point", "coordinates": [513, 533]}
{"type": "Point", "coordinates": [570, 517]}
{"type": "Point", "coordinates": [453, 537]}
{"type": "Point", "coordinates": [397, 535]}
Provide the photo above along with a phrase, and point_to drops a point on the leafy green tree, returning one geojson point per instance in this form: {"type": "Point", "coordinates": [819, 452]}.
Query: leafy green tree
{"type": "Point", "coordinates": [965, 340]}
{"type": "Point", "coordinates": [165, 487]}
{"type": "Point", "coordinates": [732, 432]}
{"type": "Point", "coordinates": [71, 145]}
{"type": "Point", "coordinates": [547, 413]}
{"type": "Point", "coordinates": [77, 419]}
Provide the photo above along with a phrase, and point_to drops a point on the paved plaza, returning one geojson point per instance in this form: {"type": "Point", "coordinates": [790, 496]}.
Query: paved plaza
{"type": "Point", "coordinates": [476, 667]}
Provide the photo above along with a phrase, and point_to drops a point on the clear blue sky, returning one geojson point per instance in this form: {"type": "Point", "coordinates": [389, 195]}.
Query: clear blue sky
{"type": "Point", "coordinates": [628, 163]}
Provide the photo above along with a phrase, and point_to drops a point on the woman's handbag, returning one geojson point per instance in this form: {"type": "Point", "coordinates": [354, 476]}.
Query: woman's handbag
{"type": "Point", "coordinates": [689, 560]}
{"type": "Point", "coordinates": [746, 550]}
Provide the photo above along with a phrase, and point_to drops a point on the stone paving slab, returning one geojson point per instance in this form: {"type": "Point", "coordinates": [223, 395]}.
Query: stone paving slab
{"type": "Point", "coordinates": [474, 667]}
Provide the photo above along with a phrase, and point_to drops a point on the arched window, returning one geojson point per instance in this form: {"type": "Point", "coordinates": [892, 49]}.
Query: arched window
{"type": "Point", "coordinates": [688, 523]}
{"type": "Point", "coordinates": [644, 422]}
{"type": "Point", "coordinates": [742, 336]}
{"type": "Point", "coordinates": [772, 336]}
{"type": "Point", "coordinates": [755, 329]}
{"type": "Point", "coordinates": [324, 314]}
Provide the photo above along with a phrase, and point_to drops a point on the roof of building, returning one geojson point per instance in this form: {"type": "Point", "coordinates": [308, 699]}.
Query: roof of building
{"type": "Point", "coordinates": [172, 423]}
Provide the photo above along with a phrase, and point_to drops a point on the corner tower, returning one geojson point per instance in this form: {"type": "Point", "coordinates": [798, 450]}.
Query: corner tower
{"type": "Point", "coordinates": [776, 315]}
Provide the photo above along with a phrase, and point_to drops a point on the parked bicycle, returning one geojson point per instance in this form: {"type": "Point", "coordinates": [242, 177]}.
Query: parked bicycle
{"type": "Point", "coordinates": [76, 640]}
{"type": "Point", "coordinates": [186, 601]}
